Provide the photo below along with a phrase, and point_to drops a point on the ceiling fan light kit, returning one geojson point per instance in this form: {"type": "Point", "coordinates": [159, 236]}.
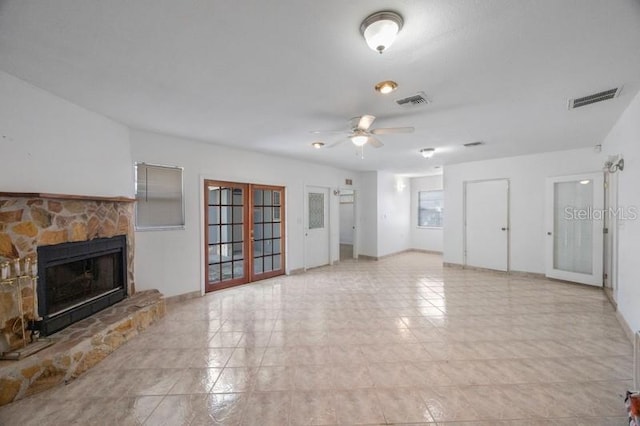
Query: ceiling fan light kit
{"type": "Point", "coordinates": [380, 29]}
{"type": "Point", "coordinates": [427, 152]}
{"type": "Point", "coordinates": [386, 87]}
{"type": "Point", "coordinates": [359, 138]}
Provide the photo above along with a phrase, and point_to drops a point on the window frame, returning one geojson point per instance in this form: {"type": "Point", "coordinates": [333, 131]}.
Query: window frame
{"type": "Point", "coordinates": [146, 227]}
{"type": "Point", "coordinates": [441, 191]}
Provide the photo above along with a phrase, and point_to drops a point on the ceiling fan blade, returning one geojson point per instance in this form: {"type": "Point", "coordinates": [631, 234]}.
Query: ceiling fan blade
{"type": "Point", "coordinates": [365, 122]}
{"type": "Point", "coordinates": [389, 130]}
{"type": "Point", "coordinates": [319, 132]}
{"type": "Point", "coordinates": [375, 142]}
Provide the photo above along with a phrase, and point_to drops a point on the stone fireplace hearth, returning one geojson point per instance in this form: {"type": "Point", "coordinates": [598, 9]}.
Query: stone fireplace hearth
{"type": "Point", "coordinates": [29, 221]}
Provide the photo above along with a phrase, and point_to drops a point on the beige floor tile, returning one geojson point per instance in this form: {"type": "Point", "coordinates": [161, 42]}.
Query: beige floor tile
{"type": "Point", "coordinates": [313, 408]}
{"type": "Point", "coordinates": [358, 407]}
{"type": "Point", "coordinates": [403, 406]}
{"type": "Point", "coordinates": [267, 408]}
{"type": "Point", "coordinates": [195, 380]}
{"type": "Point", "coordinates": [176, 410]}
{"type": "Point", "coordinates": [361, 342]}
{"type": "Point", "coordinates": [275, 378]}
{"type": "Point", "coordinates": [220, 409]}
{"type": "Point", "coordinates": [237, 379]}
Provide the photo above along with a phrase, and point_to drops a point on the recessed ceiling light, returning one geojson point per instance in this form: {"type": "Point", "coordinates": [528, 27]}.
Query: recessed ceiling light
{"type": "Point", "coordinates": [317, 144]}
{"type": "Point", "coordinates": [585, 182]}
{"type": "Point", "coordinates": [427, 152]}
{"type": "Point", "coordinates": [385, 87]}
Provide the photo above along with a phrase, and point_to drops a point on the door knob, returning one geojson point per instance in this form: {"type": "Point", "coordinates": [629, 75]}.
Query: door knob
{"type": "Point", "coordinates": [548, 233]}
{"type": "Point", "coordinates": [504, 229]}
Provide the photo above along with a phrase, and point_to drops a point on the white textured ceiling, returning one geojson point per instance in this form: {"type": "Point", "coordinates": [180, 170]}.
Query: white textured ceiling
{"type": "Point", "coordinates": [262, 74]}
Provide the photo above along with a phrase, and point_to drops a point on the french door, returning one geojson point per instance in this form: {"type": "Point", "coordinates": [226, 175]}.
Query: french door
{"type": "Point", "coordinates": [244, 233]}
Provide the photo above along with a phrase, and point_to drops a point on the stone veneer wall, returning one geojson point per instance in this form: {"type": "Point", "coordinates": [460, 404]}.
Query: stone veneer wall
{"type": "Point", "coordinates": [31, 220]}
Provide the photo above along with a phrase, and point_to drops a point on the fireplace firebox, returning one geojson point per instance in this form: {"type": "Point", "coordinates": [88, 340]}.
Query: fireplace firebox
{"type": "Point", "coordinates": [79, 279]}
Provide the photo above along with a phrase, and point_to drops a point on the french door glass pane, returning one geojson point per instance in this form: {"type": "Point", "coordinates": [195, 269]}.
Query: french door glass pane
{"type": "Point", "coordinates": [573, 226]}
{"type": "Point", "coordinates": [226, 233]}
{"type": "Point", "coordinates": [267, 213]}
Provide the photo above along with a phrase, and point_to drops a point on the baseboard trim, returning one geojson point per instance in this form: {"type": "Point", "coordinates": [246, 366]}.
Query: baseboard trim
{"type": "Point", "coordinates": [367, 257]}
{"type": "Point", "coordinates": [297, 271]}
{"type": "Point", "coordinates": [415, 250]}
{"type": "Point", "coordinates": [625, 326]}
{"type": "Point", "coordinates": [182, 297]}
{"type": "Point", "coordinates": [522, 274]}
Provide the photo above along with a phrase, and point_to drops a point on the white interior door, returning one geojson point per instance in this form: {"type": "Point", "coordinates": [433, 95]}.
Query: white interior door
{"type": "Point", "coordinates": [574, 222]}
{"type": "Point", "coordinates": [317, 227]}
{"type": "Point", "coordinates": [487, 224]}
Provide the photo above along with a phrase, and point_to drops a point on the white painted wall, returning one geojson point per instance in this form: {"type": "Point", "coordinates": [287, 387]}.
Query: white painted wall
{"type": "Point", "coordinates": [48, 144]}
{"type": "Point", "coordinates": [424, 238]}
{"type": "Point", "coordinates": [527, 179]}
{"type": "Point", "coordinates": [172, 261]}
{"type": "Point", "coordinates": [367, 211]}
{"type": "Point", "coordinates": [394, 204]}
{"type": "Point", "coordinates": [624, 138]}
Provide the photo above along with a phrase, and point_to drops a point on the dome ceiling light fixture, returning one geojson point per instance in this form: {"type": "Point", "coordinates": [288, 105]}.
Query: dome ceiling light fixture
{"type": "Point", "coordinates": [386, 87]}
{"type": "Point", "coordinates": [380, 29]}
{"type": "Point", "coordinates": [359, 138]}
{"type": "Point", "coordinates": [427, 152]}
{"type": "Point", "coordinates": [317, 144]}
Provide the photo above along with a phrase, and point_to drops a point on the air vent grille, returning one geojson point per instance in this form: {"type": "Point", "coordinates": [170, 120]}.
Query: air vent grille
{"type": "Point", "coordinates": [592, 99]}
{"type": "Point", "coordinates": [472, 144]}
{"type": "Point", "coordinates": [416, 100]}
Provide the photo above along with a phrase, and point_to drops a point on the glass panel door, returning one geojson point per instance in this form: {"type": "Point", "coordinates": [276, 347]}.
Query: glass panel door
{"type": "Point", "coordinates": [574, 222]}
{"type": "Point", "coordinates": [267, 231]}
{"type": "Point", "coordinates": [225, 234]}
{"type": "Point", "coordinates": [572, 237]}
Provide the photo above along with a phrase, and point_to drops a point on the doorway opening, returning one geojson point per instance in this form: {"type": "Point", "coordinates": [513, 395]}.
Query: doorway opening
{"type": "Point", "coordinates": [244, 233]}
{"type": "Point", "coordinates": [347, 216]}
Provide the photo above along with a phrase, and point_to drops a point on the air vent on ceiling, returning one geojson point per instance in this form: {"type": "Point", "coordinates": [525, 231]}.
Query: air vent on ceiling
{"type": "Point", "coordinates": [472, 144]}
{"type": "Point", "coordinates": [592, 99]}
{"type": "Point", "coordinates": [418, 99]}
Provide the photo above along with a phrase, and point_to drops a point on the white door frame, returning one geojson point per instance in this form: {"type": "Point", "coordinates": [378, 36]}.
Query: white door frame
{"type": "Point", "coordinates": [610, 238]}
{"type": "Point", "coordinates": [464, 218]}
{"type": "Point", "coordinates": [595, 278]}
{"type": "Point", "coordinates": [305, 221]}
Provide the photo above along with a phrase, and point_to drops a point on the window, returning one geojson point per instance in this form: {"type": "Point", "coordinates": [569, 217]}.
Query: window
{"type": "Point", "coordinates": [159, 197]}
{"type": "Point", "coordinates": [430, 209]}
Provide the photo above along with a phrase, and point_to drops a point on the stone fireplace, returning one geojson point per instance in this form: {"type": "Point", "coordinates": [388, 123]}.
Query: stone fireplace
{"type": "Point", "coordinates": [77, 253]}
{"type": "Point", "coordinates": [35, 225]}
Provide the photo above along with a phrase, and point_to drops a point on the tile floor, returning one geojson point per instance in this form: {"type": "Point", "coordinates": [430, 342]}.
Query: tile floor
{"type": "Point", "coordinates": [397, 341]}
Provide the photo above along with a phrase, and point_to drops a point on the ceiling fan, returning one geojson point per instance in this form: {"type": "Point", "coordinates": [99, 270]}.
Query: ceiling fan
{"type": "Point", "coordinates": [361, 132]}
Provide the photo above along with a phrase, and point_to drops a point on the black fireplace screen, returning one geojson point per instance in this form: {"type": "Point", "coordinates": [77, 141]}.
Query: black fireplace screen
{"type": "Point", "coordinates": [79, 279]}
{"type": "Point", "coordinates": [76, 282]}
